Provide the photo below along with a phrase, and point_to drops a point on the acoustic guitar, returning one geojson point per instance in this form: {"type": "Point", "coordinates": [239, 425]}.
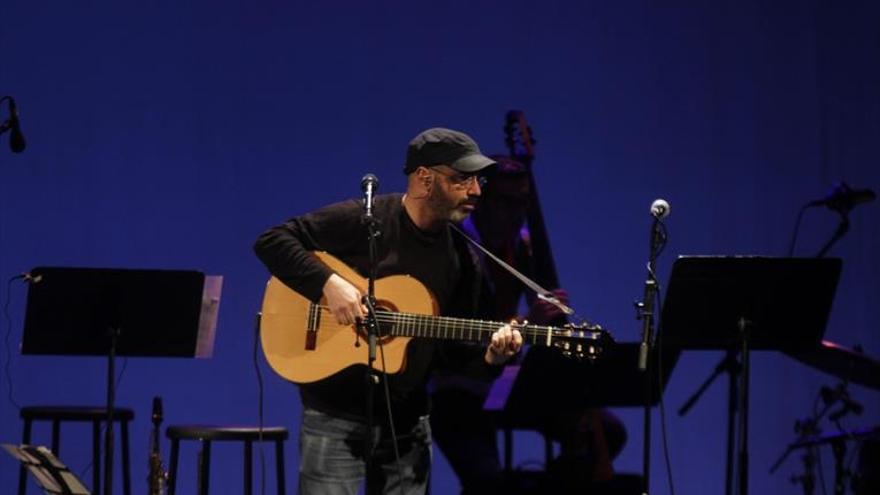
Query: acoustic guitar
{"type": "Point", "coordinates": [303, 342]}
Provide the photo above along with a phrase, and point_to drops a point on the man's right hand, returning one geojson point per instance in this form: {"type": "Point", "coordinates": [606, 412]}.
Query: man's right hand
{"type": "Point", "coordinates": [344, 300]}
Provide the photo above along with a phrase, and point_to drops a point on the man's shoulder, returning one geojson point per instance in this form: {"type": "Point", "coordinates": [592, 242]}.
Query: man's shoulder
{"type": "Point", "coordinates": [389, 200]}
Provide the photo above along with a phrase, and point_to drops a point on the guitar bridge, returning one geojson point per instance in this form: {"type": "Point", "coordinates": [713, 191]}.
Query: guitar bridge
{"type": "Point", "coordinates": [312, 329]}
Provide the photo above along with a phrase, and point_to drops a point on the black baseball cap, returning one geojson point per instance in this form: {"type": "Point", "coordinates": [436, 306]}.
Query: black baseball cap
{"type": "Point", "coordinates": [440, 146]}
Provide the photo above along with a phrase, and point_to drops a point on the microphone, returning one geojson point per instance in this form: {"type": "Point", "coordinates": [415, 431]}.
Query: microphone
{"type": "Point", "coordinates": [849, 406]}
{"type": "Point", "coordinates": [660, 209]}
{"type": "Point", "coordinates": [840, 394]}
{"type": "Point", "coordinates": [369, 185]}
{"type": "Point", "coordinates": [843, 198]}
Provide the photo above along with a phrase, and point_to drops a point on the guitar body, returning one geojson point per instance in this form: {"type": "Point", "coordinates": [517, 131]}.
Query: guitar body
{"type": "Point", "coordinates": [304, 343]}
{"type": "Point", "coordinates": [303, 358]}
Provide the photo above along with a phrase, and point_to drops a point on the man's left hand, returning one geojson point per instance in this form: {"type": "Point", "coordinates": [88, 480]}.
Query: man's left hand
{"type": "Point", "coordinates": [506, 343]}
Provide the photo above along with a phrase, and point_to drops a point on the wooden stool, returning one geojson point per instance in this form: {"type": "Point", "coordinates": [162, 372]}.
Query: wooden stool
{"type": "Point", "coordinates": [94, 415]}
{"type": "Point", "coordinates": [208, 434]}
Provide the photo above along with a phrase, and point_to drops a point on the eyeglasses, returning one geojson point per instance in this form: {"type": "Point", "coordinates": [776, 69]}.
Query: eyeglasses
{"type": "Point", "coordinates": [463, 181]}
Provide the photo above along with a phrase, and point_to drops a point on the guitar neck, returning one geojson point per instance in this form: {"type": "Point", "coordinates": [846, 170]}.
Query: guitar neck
{"type": "Point", "coordinates": [450, 328]}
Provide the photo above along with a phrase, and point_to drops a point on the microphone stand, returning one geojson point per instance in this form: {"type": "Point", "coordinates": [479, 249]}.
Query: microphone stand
{"type": "Point", "coordinates": [842, 229]}
{"type": "Point", "coordinates": [111, 405]}
{"type": "Point", "coordinates": [645, 311]}
{"type": "Point", "coordinates": [370, 324]}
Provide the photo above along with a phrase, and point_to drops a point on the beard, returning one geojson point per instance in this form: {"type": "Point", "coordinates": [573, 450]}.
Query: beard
{"type": "Point", "coordinates": [447, 208]}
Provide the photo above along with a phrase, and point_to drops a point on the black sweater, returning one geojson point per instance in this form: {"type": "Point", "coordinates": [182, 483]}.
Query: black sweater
{"type": "Point", "coordinates": [440, 260]}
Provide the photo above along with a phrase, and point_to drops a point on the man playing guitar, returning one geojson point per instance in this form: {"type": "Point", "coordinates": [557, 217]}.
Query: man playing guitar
{"type": "Point", "coordinates": [443, 170]}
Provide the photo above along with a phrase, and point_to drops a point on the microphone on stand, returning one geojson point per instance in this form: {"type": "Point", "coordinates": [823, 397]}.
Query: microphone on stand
{"type": "Point", "coordinates": [843, 198]}
{"type": "Point", "coordinates": [369, 185]}
{"type": "Point", "coordinates": [840, 394]}
{"type": "Point", "coordinates": [660, 209]}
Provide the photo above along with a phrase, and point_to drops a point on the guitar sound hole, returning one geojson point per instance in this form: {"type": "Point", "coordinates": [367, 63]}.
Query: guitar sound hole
{"type": "Point", "coordinates": [386, 327]}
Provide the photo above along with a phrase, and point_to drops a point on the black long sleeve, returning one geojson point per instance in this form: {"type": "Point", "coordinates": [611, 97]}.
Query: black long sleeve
{"type": "Point", "coordinates": [438, 260]}
{"type": "Point", "coordinates": [285, 249]}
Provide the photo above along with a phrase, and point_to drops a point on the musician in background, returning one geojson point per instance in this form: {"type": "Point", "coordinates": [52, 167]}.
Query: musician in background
{"type": "Point", "coordinates": [443, 184]}
{"type": "Point", "coordinates": [464, 432]}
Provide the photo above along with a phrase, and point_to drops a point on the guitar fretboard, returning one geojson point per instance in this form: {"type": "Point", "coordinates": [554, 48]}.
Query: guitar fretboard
{"type": "Point", "coordinates": [451, 328]}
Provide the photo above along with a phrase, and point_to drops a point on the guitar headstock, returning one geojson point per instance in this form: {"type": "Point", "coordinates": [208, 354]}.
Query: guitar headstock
{"type": "Point", "coordinates": [582, 341]}
{"type": "Point", "coordinates": [518, 136]}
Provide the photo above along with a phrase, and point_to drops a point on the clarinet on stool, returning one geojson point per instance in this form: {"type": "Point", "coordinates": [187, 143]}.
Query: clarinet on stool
{"type": "Point", "coordinates": [158, 477]}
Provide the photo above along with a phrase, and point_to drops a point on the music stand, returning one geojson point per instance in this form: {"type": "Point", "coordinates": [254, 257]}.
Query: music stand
{"type": "Point", "coordinates": [120, 312]}
{"type": "Point", "coordinates": [49, 472]}
{"type": "Point", "coordinates": [533, 395]}
{"type": "Point", "coordinates": [740, 303]}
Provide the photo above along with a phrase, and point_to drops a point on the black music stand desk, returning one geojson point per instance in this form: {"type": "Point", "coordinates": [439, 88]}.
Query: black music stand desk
{"type": "Point", "coordinates": [740, 303]}
{"type": "Point", "coordinates": [120, 312]}
{"type": "Point", "coordinates": [532, 395]}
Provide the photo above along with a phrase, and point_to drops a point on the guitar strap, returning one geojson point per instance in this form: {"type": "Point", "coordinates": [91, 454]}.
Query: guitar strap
{"type": "Point", "coordinates": [541, 292]}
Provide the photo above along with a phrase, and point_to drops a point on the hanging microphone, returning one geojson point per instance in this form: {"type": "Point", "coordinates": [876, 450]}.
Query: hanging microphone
{"type": "Point", "coordinates": [369, 185]}
{"type": "Point", "coordinates": [16, 138]}
{"type": "Point", "coordinates": [660, 209]}
{"type": "Point", "coordinates": [843, 198]}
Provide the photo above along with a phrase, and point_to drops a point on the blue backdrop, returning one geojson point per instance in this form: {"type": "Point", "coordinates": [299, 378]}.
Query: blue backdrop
{"type": "Point", "coordinates": [169, 134]}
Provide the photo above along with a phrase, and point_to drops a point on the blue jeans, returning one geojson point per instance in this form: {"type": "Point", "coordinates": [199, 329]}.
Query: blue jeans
{"type": "Point", "coordinates": [332, 457]}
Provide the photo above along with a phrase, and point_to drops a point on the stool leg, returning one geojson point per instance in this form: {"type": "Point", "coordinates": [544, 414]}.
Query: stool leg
{"type": "Point", "coordinates": [248, 467]}
{"type": "Point", "coordinates": [548, 450]}
{"type": "Point", "coordinates": [126, 462]}
{"type": "Point", "coordinates": [279, 465]}
{"type": "Point", "coordinates": [172, 474]}
{"type": "Point", "coordinates": [508, 450]}
{"type": "Point", "coordinates": [96, 457]}
{"type": "Point", "coordinates": [22, 475]}
{"type": "Point", "coordinates": [204, 462]}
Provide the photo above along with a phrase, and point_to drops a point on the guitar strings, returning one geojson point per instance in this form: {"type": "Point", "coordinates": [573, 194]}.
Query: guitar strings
{"type": "Point", "coordinates": [448, 323]}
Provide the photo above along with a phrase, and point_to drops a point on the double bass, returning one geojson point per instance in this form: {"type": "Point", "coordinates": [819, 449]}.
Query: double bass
{"type": "Point", "coordinates": [521, 147]}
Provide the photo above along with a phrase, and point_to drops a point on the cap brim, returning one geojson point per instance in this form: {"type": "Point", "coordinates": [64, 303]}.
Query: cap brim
{"type": "Point", "coordinates": [472, 163]}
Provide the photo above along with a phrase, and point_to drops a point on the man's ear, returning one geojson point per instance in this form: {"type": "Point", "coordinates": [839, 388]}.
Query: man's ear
{"type": "Point", "coordinates": [426, 178]}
